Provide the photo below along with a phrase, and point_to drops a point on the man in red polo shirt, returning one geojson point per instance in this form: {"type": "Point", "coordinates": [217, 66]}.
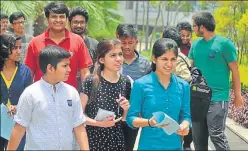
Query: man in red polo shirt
{"type": "Point", "coordinates": [56, 34]}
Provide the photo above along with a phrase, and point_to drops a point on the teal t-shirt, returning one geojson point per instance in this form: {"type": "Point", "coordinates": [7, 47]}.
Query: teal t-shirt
{"type": "Point", "coordinates": [212, 58]}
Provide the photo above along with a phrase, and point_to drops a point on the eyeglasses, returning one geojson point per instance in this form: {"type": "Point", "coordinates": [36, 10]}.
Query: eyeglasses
{"type": "Point", "coordinates": [20, 22]}
{"type": "Point", "coordinates": [75, 22]}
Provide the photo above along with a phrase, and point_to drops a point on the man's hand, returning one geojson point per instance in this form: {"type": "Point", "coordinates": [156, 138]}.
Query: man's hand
{"type": "Point", "coordinates": [238, 101]}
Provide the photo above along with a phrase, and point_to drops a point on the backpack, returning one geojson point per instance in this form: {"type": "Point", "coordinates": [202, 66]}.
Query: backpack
{"type": "Point", "coordinates": [200, 94]}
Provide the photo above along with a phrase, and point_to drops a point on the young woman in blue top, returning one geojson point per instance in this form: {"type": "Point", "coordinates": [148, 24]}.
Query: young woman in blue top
{"type": "Point", "coordinates": [14, 76]}
{"type": "Point", "coordinates": [160, 90]}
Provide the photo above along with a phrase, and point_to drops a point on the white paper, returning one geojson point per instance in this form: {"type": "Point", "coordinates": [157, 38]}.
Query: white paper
{"type": "Point", "coordinates": [103, 114]}
{"type": "Point", "coordinates": [163, 118]}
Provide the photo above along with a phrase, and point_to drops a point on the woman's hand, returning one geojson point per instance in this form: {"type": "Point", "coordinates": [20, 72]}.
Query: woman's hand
{"type": "Point", "coordinates": [184, 129]}
{"type": "Point", "coordinates": [12, 109]}
{"type": "Point", "coordinates": [124, 103]}
{"type": "Point", "coordinates": [152, 121]}
{"type": "Point", "coordinates": [109, 122]}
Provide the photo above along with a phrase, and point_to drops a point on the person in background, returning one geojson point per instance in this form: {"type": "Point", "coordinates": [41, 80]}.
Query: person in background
{"type": "Point", "coordinates": [4, 23]}
{"type": "Point", "coordinates": [57, 15]}
{"type": "Point", "coordinates": [14, 77]}
{"type": "Point", "coordinates": [181, 71]}
{"type": "Point", "coordinates": [78, 21]}
{"type": "Point", "coordinates": [135, 66]}
{"type": "Point", "coordinates": [50, 110]}
{"type": "Point", "coordinates": [109, 90]}
{"type": "Point", "coordinates": [215, 56]}
{"type": "Point", "coordinates": [18, 21]}
{"type": "Point", "coordinates": [186, 32]}
{"type": "Point", "coordinates": [160, 90]}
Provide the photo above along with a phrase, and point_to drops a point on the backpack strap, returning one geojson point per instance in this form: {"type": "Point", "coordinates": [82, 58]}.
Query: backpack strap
{"type": "Point", "coordinates": [188, 66]}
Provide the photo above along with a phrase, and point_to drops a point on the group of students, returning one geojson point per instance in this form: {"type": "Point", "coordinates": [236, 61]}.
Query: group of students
{"type": "Point", "coordinates": [52, 114]}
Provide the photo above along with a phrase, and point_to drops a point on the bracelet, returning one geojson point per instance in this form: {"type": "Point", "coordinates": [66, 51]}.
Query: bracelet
{"type": "Point", "coordinates": [149, 123]}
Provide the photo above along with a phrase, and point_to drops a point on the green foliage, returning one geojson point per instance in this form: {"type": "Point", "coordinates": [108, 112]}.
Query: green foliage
{"type": "Point", "coordinates": [147, 54]}
{"type": "Point", "coordinates": [103, 17]}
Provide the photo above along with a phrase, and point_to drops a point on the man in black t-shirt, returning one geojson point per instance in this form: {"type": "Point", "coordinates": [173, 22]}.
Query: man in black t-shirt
{"type": "Point", "coordinates": [78, 21]}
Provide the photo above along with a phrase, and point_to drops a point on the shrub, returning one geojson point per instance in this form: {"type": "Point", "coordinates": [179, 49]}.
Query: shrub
{"type": "Point", "coordinates": [239, 115]}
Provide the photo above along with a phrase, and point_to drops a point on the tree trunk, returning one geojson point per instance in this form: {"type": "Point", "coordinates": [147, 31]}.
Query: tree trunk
{"type": "Point", "coordinates": [155, 26]}
{"type": "Point", "coordinates": [143, 27]}
{"type": "Point", "coordinates": [147, 26]}
{"type": "Point", "coordinates": [136, 14]}
{"type": "Point", "coordinates": [162, 14]}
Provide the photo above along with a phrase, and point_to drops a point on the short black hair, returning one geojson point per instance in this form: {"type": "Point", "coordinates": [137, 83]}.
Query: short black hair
{"type": "Point", "coordinates": [78, 10]}
{"type": "Point", "coordinates": [15, 16]}
{"type": "Point", "coordinates": [3, 15]}
{"type": "Point", "coordinates": [127, 30]}
{"type": "Point", "coordinates": [7, 44]}
{"type": "Point", "coordinates": [52, 55]}
{"type": "Point", "coordinates": [174, 34]}
{"type": "Point", "coordinates": [57, 8]}
{"type": "Point", "coordinates": [184, 25]}
{"type": "Point", "coordinates": [205, 19]}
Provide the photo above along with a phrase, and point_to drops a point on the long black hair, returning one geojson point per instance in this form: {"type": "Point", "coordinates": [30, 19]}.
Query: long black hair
{"type": "Point", "coordinates": [7, 44]}
{"type": "Point", "coordinates": [162, 46]}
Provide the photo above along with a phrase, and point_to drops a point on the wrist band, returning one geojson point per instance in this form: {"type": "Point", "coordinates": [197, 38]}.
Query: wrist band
{"type": "Point", "coordinates": [149, 123]}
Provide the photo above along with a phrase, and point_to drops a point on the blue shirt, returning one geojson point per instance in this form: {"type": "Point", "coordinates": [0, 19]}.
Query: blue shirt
{"type": "Point", "coordinates": [148, 96]}
{"type": "Point", "coordinates": [138, 68]}
{"type": "Point", "coordinates": [22, 79]}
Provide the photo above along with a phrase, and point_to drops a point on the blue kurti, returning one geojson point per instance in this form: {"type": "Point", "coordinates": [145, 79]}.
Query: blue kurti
{"type": "Point", "coordinates": [22, 79]}
{"type": "Point", "coordinates": [148, 96]}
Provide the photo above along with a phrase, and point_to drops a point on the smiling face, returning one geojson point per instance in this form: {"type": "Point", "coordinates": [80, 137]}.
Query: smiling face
{"type": "Point", "coordinates": [186, 36]}
{"type": "Point", "coordinates": [78, 24]}
{"type": "Point", "coordinates": [57, 22]}
{"type": "Point", "coordinates": [18, 25]}
{"type": "Point", "coordinates": [113, 59]}
{"type": "Point", "coordinates": [16, 52]}
{"type": "Point", "coordinates": [166, 63]}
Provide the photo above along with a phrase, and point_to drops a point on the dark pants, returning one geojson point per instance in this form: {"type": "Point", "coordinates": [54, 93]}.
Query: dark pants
{"type": "Point", "coordinates": [187, 139]}
{"type": "Point", "coordinates": [4, 143]}
{"type": "Point", "coordinates": [212, 125]}
{"type": "Point", "coordinates": [129, 136]}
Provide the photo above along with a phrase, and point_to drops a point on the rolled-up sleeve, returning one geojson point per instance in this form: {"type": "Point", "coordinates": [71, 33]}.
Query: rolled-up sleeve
{"type": "Point", "coordinates": [78, 116]}
{"type": "Point", "coordinates": [185, 110]}
{"type": "Point", "coordinates": [24, 109]}
{"type": "Point", "coordinates": [136, 100]}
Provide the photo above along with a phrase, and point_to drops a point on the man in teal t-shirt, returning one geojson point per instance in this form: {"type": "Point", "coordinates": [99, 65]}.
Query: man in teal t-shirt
{"type": "Point", "coordinates": [215, 56]}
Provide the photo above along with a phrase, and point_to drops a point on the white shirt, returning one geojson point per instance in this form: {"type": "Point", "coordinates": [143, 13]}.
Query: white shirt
{"type": "Point", "coordinates": [49, 117]}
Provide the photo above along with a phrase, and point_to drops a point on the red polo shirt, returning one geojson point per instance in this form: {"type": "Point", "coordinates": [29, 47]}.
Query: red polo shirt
{"type": "Point", "coordinates": [72, 43]}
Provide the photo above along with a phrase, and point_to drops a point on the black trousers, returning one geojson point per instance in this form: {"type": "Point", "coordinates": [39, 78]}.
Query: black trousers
{"type": "Point", "coordinates": [129, 136]}
{"type": "Point", "coordinates": [3, 143]}
{"type": "Point", "coordinates": [187, 140]}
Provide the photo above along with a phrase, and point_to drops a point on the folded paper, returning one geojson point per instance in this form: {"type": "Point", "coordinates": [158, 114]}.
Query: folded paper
{"type": "Point", "coordinates": [162, 118]}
